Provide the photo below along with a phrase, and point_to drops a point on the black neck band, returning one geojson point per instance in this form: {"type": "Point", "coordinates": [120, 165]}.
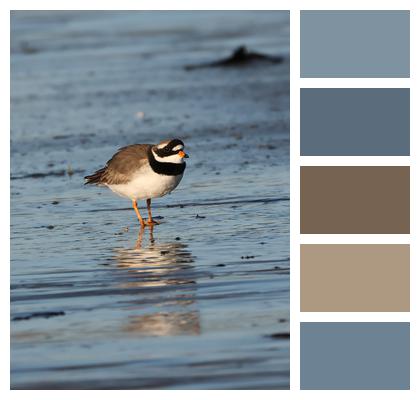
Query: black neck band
{"type": "Point", "coordinates": [163, 168]}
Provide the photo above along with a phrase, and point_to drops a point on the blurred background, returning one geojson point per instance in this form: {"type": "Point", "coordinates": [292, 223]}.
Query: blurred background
{"type": "Point", "coordinates": [202, 301]}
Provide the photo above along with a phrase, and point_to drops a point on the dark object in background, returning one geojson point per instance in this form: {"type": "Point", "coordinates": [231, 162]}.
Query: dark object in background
{"type": "Point", "coordinates": [41, 314]}
{"type": "Point", "coordinates": [240, 57]}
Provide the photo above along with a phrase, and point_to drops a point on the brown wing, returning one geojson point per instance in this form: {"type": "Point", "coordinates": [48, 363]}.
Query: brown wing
{"type": "Point", "coordinates": [122, 166]}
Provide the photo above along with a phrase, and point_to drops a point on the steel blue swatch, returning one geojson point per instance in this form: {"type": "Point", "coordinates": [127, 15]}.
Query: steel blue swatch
{"type": "Point", "coordinates": [355, 122]}
{"type": "Point", "coordinates": [355, 355]}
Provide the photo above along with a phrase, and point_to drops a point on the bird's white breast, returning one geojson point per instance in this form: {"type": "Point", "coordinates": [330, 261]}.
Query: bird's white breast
{"type": "Point", "coordinates": [147, 184]}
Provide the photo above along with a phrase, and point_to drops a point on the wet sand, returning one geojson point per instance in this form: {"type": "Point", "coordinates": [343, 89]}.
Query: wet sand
{"type": "Point", "coordinates": [202, 302]}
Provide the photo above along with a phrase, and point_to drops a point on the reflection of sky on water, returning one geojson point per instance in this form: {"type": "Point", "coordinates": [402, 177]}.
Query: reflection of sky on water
{"type": "Point", "coordinates": [151, 265]}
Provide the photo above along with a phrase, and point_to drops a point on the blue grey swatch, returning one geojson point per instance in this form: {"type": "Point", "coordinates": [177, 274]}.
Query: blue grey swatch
{"type": "Point", "coordinates": [355, 355]}
{"type": "Point", "coordinates": [350, 44]}
{"type": "Point", "coordinates": [355, 122]}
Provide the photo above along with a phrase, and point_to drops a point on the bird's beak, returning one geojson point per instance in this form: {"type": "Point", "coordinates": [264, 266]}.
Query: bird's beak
{"type": "Point", "coordinates": [183, 155]}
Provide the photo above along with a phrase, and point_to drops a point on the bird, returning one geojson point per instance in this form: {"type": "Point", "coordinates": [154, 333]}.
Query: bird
{"type": "Point", "coordinates": [143, 172]}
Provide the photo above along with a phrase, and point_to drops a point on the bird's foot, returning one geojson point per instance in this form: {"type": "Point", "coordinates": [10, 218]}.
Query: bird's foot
{"type": "Point", "coordinates": [152, 222]}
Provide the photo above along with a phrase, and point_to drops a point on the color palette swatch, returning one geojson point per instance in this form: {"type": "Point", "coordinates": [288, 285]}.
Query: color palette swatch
{"type": "Point", "coordinates": [355, 122]}
{"type": "Point", "coordinates": [355, 44]}
{"type": "Point", "coordinates": [366, 196]}
{"type": "Point", "coordinates": [355, 355]}
{"type": "Point", "coordinates": [355, 277]}
{"type": "Point", "coordinates": [337, 199]}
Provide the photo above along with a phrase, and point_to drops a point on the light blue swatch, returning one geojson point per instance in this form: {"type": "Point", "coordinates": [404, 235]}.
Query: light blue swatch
{"type": "Point", "coordinates": [355, 44]}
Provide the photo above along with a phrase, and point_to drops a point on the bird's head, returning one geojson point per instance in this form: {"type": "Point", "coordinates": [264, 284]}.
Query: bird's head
{"type": "Point", "coordinates": [170, 151]}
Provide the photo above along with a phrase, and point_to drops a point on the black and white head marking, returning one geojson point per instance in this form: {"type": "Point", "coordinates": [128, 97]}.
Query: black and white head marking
{"type": "Point", "coordinates": [168, 148]}
{"type": "Point", "coordinates": [164, 158]}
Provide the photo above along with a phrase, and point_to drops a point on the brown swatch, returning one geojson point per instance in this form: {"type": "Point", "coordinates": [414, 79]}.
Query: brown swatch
{"type": "Point", "coordinates": [355, 200]}
{"type": "Point", "coordinates": [355, 277]}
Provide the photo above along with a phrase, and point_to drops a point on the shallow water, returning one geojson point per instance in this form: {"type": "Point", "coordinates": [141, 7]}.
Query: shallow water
{"type": "Point", "coordinates": [202, 301]}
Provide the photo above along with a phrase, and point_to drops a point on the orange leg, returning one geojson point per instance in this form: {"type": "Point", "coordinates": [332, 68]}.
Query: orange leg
{"type": "Point", "coordinates": [151, 238]}
{"type": "Point", "coordinates": [150, 221]}
{"type": "Point", "coordinates": [138, 213]}
{"type": "Point", "coordinates": [139, 239]}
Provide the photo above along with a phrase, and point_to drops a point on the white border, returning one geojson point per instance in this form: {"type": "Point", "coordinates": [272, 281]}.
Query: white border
{"type": "Point", "coordinates": [294, 5]}
{"type": "Point", "coordinates": [354, 239]}
{"type": "Point", "coordinates": [355, 161]}
{"type": "Point", "coordinates": [5, 204]}
{"type": "Point", "coordinates": [355, 82]}
{"type": "Point", "coordinates": [294, 199]}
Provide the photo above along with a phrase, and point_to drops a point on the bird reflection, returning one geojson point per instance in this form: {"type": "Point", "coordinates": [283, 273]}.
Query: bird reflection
{"type": "Point", "coordinates": [165, 268]}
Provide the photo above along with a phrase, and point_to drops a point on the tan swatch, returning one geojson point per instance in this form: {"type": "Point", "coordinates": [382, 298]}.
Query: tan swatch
{"type": "Point", "coordinates": [355, 200]}
{"type": "Point", "coordinates": [355, 277]}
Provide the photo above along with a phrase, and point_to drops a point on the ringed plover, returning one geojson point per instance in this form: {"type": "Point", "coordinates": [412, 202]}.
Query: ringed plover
{"type": "Point", "coordinates": [143, 172]}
